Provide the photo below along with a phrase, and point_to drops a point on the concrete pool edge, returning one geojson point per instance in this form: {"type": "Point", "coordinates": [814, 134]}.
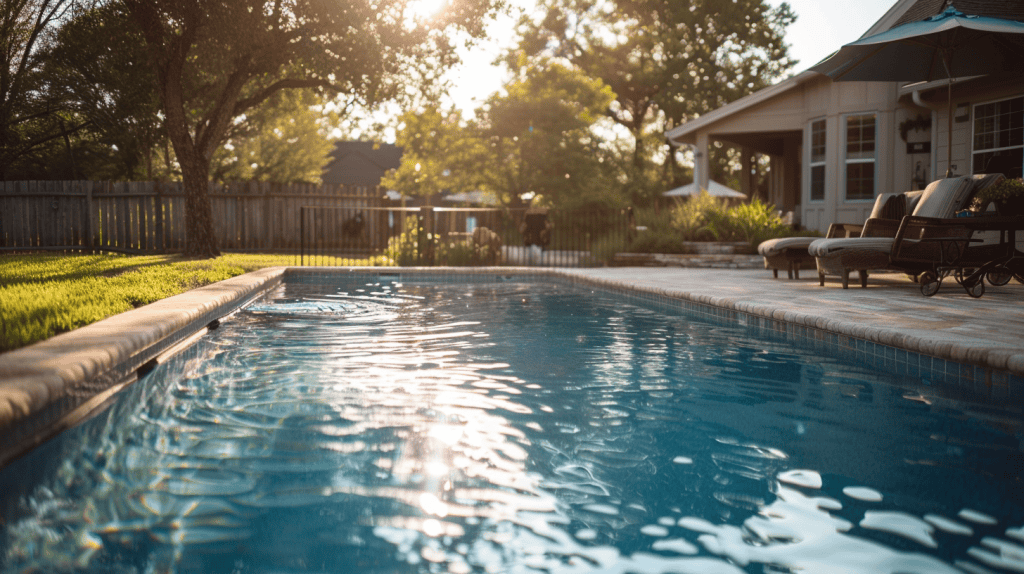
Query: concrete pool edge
{"type": "Point", "coordinates": [42, 385]}
{"type": "Point", "coordinates": [50, 385]}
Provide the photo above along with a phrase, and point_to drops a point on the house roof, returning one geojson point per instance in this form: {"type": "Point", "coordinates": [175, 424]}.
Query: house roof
{"type": "Point", "coordinates": [739, 105]}
{"type": "Point", "coordinates": [361, 162]}
{"type": "Point", "coordinates": [902, 12]}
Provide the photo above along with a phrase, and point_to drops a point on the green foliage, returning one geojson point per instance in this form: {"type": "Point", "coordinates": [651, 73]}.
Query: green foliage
{"type": "Point", "coordinates": [1008, 189]}
{"type": "Point", "coordinates": [284, 141]}
{"type": "Point", "coordinates": [31, 120]}
{"type": "Point", "coordinates": [44, 295]}
{"type": "Point", "coordinates": [217, 62]}
{"type": "Point", "coordinates": [706, 218]}
{"type": "Point", "coordinates": [756, 221]}
{"type": "Point", "coordinates": [657, 241]}
{"type": "Point", "coordinates": [666, 62]}
{"type": "Point", "coordinates": [405, 248]}
{"type": "Point", "coordinates": [98, 68]}
{"type": "Point", "coordinates": [699, 218]}
{"type": "Point", "coordinates": [541, 139]}
{"type": "Point", "coordinates": [439, 154]}
{"type": "Point", "coordinates": [604, 248]}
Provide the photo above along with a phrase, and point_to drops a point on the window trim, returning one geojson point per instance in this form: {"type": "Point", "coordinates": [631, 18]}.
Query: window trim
{"type": "Point", "coordinates": [846, 161]}
{"type": "Point", "coordinates": [811, 164]}
{"type": "Point", "coordinates": [974, 114]}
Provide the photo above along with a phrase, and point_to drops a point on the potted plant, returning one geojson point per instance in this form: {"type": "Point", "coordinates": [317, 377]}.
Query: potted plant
{"type": "Point", "coordinates": [1007, 195]}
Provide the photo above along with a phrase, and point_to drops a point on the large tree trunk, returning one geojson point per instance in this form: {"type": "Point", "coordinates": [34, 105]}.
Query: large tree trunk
{"type": "Point", "coordinates": [200, 240]}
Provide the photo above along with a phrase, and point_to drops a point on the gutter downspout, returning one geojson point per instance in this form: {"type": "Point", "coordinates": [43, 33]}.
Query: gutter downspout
{"type": "Point", "coordinates": [916, 97]}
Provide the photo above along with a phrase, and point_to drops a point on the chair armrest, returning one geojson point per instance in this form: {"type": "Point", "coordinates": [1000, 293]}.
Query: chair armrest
{"type": "Point", "coordinates": [843, 230]}
{"type": "Point", "coordinates": [877, 227]}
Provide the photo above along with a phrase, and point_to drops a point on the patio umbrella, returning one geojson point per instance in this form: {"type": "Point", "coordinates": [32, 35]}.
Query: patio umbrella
{"type": "Point", "coordinates": [943, 47]}
{"type": "Point", "coordinates": [715, 189]}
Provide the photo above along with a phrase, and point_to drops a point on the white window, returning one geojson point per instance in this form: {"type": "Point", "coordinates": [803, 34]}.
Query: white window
{"type": "Point", "coordinates": [998, 143]}
{"type": "Point", "coordinates": [817, 162]}
{"type": "Point", "coordinates": [860, 157]}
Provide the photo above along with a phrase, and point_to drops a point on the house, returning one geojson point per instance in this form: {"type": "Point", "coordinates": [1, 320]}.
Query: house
{"type": "Point", "coordinates": [360, 163]}
{"type": "Point", "coordinates": [834, 146]}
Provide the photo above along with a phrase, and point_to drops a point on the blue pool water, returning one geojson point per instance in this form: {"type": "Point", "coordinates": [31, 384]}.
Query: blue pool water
{"type": "Point", "coordinates": [515, 427]}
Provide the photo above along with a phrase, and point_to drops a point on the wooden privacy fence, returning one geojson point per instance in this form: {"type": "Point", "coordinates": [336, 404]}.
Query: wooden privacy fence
{"type": "Point", "coordinates": [149, 217]}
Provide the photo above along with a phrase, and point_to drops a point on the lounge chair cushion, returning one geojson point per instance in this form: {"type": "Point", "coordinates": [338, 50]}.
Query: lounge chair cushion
{"type": "Point", "coordinates": [823, 247]}
{"type": "Point", "coordinates": [889, 206]}
{"type": "Point", "coordinates": [774, 247]}
{"type": "Point", "coordinates": [942, 197]}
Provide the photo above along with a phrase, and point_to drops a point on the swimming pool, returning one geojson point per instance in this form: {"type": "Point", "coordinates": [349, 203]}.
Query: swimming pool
{"type": "Point", "coordinates": [515, 426]}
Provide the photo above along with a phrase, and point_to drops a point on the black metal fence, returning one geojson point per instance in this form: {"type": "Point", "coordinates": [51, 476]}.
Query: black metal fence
{"type": "Point", "coordinates": [428, 236]}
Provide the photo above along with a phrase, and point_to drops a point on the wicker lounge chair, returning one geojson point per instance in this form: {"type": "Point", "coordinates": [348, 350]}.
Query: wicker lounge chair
{"type": "Point", "coordinates": [790, 253]}
{"type": "Point", "coordinates": [941, 199]}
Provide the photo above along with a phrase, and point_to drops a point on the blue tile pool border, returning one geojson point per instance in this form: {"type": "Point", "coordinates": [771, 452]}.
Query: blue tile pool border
{"type": "Point", "coordinates": [48, 386]}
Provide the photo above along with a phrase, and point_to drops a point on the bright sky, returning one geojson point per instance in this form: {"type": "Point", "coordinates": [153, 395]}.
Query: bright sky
{"type": "Point", "coordinates": [822, 27]}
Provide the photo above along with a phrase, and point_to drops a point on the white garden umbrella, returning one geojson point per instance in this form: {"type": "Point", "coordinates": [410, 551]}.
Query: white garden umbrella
{"type": "Point", "coordinates": [715, 189]}
{"type": "Point", "coordinates": [943, 47]}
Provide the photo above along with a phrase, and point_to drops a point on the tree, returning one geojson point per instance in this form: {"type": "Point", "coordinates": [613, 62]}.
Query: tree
{"type": "Point", "coordinates": [97, 69]}
{"type": "Point", "coordinates": [283, 141]}
{"type": "Point", "coordinates": [542, 139]}
{"type": "Point", "coordinates": [439, 154]}
{"type": "Point", "coordinates": [28, 120]}
{"type": "Point", "coordinates": [666, 60]}
{"type": "Point", "coordinates": [216, 60]}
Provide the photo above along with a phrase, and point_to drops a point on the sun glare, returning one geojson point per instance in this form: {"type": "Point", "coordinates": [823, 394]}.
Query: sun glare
{"type": "Point", "coordinates": [427, 9]}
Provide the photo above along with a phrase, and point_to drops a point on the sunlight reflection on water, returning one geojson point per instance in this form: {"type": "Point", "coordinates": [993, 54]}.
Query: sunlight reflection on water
{"type": "Point", "coordinates": [508, 428]}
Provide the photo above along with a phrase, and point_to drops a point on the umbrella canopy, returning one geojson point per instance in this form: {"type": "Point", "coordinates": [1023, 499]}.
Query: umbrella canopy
{"type": "Point", "coordinates": [945, 46]}
{"type": "Point", "coordinates": [715, 189]}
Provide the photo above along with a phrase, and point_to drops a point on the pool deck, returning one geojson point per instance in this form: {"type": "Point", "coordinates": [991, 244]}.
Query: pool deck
{"type": "Point", "coordinates": [50, 385]}
{"type": "Point", "coordinates": [892, 311]}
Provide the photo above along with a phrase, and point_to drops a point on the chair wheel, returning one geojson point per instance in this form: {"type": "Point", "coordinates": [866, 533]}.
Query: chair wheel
{"type": "Point", "coordinates": [930, 283]}
{"type": "Point", "coordinates": [999, 276]}
{"type": "Point", "coordinates": [976, 290]}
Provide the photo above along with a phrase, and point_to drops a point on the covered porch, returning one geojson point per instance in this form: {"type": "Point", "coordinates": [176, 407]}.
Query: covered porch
{"type": "Point", "coordinates": [768, 129]}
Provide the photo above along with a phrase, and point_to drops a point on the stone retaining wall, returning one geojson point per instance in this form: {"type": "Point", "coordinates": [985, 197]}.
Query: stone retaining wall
{"type": "Point", "coordinates": [708, 261]}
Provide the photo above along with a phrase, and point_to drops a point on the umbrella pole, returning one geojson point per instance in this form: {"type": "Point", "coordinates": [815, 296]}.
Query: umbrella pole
{"type": "Point", "coordinates": [949, 113]}
{"type": "Point", "coordinates": [949, 129]}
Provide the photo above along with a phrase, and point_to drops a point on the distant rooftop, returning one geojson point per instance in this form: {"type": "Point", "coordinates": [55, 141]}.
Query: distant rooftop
{"type": "Point", "coordinates": [361, 162]}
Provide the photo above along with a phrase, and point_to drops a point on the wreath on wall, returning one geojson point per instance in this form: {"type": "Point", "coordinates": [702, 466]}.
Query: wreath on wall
{"type": "Point", "coordinates": [917, 124]}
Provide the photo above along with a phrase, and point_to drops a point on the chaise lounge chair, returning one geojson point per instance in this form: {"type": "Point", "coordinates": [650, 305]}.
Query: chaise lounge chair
{"type": "Point", "coordinates": [872, 250]}
{"type": "Point", "coordinates": [790, 253]}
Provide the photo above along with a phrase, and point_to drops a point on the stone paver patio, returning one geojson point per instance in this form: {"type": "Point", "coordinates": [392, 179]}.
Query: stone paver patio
{"type": "Point", "coordinates": [891, 310]}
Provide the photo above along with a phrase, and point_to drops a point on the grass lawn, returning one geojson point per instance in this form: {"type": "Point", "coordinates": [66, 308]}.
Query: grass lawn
{"type": "Point", "coordinates": [42, 295]}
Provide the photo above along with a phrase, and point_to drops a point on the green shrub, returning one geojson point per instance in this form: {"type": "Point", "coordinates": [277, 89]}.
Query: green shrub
{"type": "Point", "coordinates": [699, 218]}
{"type": "Point", "coordinates": [706, 218]}
{"type": "Point", "coordinates": [458, 254]}
{"type": "Point", "coordinates": [404, 248]}
{"type": "Point", "coordinates": [658, 241]}
{"type": "Point", "coordinates": [757, 221]}
{"type": "Point", "coordinates": [603, 249]}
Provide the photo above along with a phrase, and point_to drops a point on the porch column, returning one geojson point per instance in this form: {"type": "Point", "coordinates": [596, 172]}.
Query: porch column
{"type": "Point", "coordinates": [746, 165]}
{"type": "Point", "coordinates": [701, 168]}
{"type": "Point", "coordinates": [790, 174]}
